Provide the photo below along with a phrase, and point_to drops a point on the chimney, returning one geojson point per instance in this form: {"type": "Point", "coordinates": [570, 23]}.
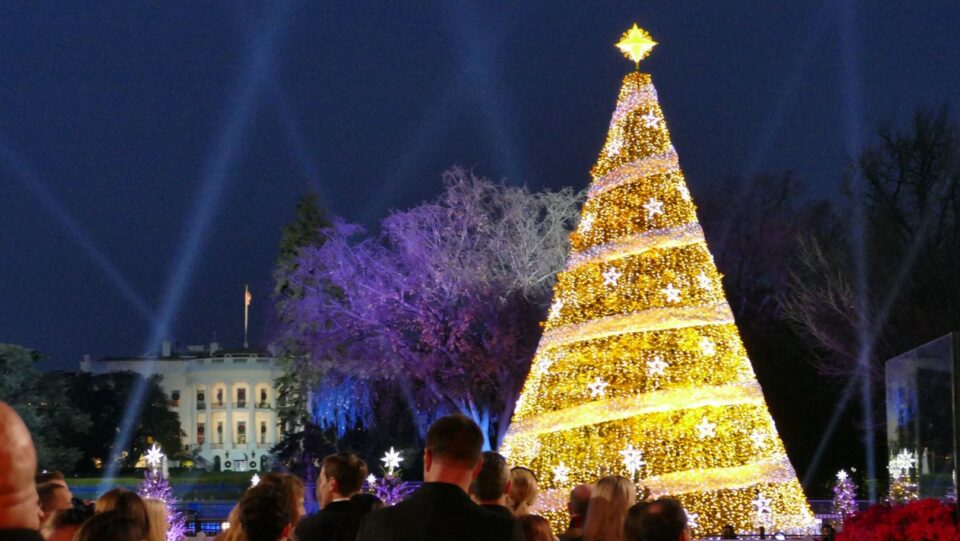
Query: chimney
{"type": "Point", "coordinates": [166, 349]}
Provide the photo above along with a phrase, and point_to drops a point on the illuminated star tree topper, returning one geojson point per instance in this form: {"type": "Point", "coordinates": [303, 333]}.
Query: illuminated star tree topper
{"type": "Point", "coordinates": [636, 44]}
{"type": "Point", "coordinates": [391, 460]}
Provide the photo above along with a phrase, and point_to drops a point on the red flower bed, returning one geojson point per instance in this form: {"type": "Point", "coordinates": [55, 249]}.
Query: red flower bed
{"type": "Point", "coordinates": [921, 520]}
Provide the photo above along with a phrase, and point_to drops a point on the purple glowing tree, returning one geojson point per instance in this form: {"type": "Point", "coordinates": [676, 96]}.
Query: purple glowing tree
{"type": "Point", "coordinates": [440, 310]}
{"type": "Point", "coordinates": [844, 495]}
{"type": "Point", "coordinates": [155, 485]}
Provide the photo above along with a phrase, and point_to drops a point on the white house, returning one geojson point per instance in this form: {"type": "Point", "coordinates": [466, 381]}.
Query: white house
{"type": "Point", "coordinates": [226, 400]}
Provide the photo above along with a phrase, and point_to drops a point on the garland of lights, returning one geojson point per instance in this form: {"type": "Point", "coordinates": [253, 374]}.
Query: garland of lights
{"type": "Point", "coordinates": [641, 371]}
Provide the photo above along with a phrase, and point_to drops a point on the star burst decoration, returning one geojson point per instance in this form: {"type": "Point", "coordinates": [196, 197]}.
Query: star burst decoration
{"type": "Point", "coordinates": [841, 475]}
{"type": "Point", "coordinates": [255, 480]}
{"type": "Point", "coordinates": [598, 388]}
{"type": "Point", "coordinates": [586, 224]}
{"type": "Point", "coordinates": [555, 308]}
{"type": "Point", "coordinates": [900, 465]}
{"type": "Point", "coordinates": [759, 439]}
{"type": "Point", "coordinates": [707, 347]}
{"type": "Point", "coordinates": [154, 456]}
{"type": "Point", "coordinates": [391, 459]}
{"type": "Point", "coordinates": [761, 504]}
{"type": "Point", "coordinates": [636, 44]}
{"type": "Point", "coordinates": [632, 459]}
{"type": "Point", "coordinates": [371, 479]}
{"type": "Point", "coordinates": [684, 191]}
{"type": "Point", "coordinates": [561, 473]}
{"type": "Point", "coordinates": [611, 276]}
{"type": "Point", "coordinates": [705, 281]}
{"type": "Point", "coordinates": [650, 119]}
{"type": "Point", "coordinates": [692, 519]}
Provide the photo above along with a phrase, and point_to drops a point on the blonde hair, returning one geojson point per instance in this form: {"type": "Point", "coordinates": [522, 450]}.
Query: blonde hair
{"type": "Point", "coordinates": [159, 522]}
{"type": "Point", "coordinates": [523, 491]}
{"type": "Point", "coordinates": [611, 499]}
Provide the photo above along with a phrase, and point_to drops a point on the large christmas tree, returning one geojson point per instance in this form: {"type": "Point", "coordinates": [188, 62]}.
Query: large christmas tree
{"type": "Point", "coordinates": [641, 371]}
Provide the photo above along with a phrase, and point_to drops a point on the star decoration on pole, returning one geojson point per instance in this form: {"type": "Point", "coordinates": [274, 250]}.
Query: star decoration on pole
{"type": "Point", "coordinates": [586, 223]}
{"type": "Point", "coordinates": [255, 480]}
{"type": "Point", "coordinates": [598, 388]}
{"type": "Point", "coordinates": [707, 347]}
{"type": "Point", "coordinates": [657, 366]}
{"type": "Point", "coordinates": [372, 479]}
{"type": "Point", "coordinates": [672, 293]}
{"type": "Point", "coordinates": [706, 429]}
{"type": "Point", "coordinates": [653, 207]}
{"type": "Point", "coordinates": [561, 473]}
{"type": "Point", "coordinates": [636, 44]}
{"type": "Point", "coordinates": [611, 276]}
{"type": "Point", "coordinates": [650, 119]}
{"type": "Point", "coordinates": [759, 439]}
{"type": "Point", "coordinates": [841, 475]}
{"type": "Point", "coordinates": [154, 457]}
{"type": "Point", "coordinates": [632, 460]}
{"type": "Point", "coordinates": [391, 460]}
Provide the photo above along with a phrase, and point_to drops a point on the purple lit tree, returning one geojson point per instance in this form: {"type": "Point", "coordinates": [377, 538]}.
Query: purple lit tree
{"type": "Point", "coordinates": [844, 495]}
{"type": "Point", "coordinates": [155, 485]}
{"type": "Point", "coordinates": [441, 309]}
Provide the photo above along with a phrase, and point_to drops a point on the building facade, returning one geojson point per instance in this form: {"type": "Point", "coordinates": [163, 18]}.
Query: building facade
{"type": "Point", "coordinates": [226, 401]}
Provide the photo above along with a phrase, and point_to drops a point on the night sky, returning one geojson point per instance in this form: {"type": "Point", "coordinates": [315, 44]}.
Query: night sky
{"type": "Point", "coordinates": [150, 153]}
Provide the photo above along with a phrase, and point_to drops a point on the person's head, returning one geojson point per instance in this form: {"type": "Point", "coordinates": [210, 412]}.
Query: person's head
{"type": "Point", "coordinates": [452, 453]}
{"type": "Point", "coordinates": [579, 500]}
{"type": "Point", "coordinates": [53, 497]}
{"type": "Point", "coordinates": [159, 522]}
{"type": "Point", "coordinates": [523, 491]}
{"type": "Point", "coordinates": [19, 507]}
{"type": "Point", "coordinates": [127, 503]}
{"type": "Point", "coordinates": [660, 520]}
{"type": "Point", "coordinates": [266, 513]}
{"type": "Point", "coordinates": [612, 497]}
{"type": "Point", "coordinates": [536, 528]}
{"type": "Point", "coordinates": [493, 482]}
{"type": "Point", "coordinates": [53, 477]}
{"type": "Point", "coordinates": [63, 525]}
{"type": "Point", "coordinates": [110, 526]}
{"type": "Point", "coordinates": [294, 488]}
{"type": "Point", "coordinates": [341, 476]}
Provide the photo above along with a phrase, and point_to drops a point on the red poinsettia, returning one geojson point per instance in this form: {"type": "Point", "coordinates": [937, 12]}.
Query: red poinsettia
{"type": "Point", "coordinates": [921, 520]}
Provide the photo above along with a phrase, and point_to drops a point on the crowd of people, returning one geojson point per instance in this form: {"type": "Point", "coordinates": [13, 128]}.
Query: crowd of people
{"type": "Point", "coordinates": [467, 495]}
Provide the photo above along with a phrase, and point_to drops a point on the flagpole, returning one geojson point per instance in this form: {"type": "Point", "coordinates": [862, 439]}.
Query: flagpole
{"type": "Point", "coordinates": [247, 297]}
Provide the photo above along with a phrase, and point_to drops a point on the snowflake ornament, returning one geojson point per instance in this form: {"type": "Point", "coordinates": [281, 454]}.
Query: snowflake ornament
{"type": "Point", "coordinates": [692, 520]}
{"type": "Point", "coordinates": [761, 505]}
{"type": "Point", "coordinates": [759, 439]}
{"type": "Point", "coordinates": [632, 460]}
{"type": "Point", "coordinates": [653, 207]}
{"type": "Point", "coordinates": [841, 475]}
{"type": "Point", "coordinates": [555, 308]}
{"type": "Point", "coordinates": [154, 456]}
{"type": "Point", "coordinates": [901, 464]}
{"type": "Point", "coordinates": [611, 276]}
{"type": "Point", "coordinates": [650, 119]}
{"type": "Point", "coordinates": [586, 223]}
{"type": "Point", "coordinates": [706, 429]}
{"type": "Point", "coordinates": [672, 293]}
{"type": "Point", "coordinates": [391, 460]}
{"type": "Point", "coordinates": [561, 473]}
{"type": "Point", "coordinates": [372, 480]}
{"type": "Point", "coordinates": [615, 145]}
{"type": "Point", "coordinates": [657, 366]}
{"type": "Point", "coordinates": [704, 281]}
{"type": "Point", "coordinates": [598, 388]}
{"type": "Point", "coordinates": [707, 347]}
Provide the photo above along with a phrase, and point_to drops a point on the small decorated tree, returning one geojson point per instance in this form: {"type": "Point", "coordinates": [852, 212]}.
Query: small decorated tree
{"type": "Point", "coordinates": [902, 468]}
{"type": "Point", "coordinates": [844, 495]}
{"type": "Point", "coordinates": [391, 489]}
{"type": "Point", "coordinates": [155, 485]}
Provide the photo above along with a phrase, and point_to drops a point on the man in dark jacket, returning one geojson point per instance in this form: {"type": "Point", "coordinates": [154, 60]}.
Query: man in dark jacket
{"type": "Point", "coordinates": [489, 490]}
{"type": "Point", "coordinates": [341, 477]}
{"type": "Point", "coordinates": [441, 509]}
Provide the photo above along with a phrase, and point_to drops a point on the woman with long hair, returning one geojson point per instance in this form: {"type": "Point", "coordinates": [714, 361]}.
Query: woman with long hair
{"type": "Point", "coordinates": [127, 503]}
{"type": "Point", "coordinates": [159, 523]}
{"type": "Point", "coordinates": [523, 491]}
{"type": "Point", "coordinates": [612, 497]}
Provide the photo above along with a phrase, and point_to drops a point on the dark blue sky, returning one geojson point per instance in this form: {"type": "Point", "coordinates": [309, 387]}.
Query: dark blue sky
{"type": "Point", "coordinates": [162, 146]}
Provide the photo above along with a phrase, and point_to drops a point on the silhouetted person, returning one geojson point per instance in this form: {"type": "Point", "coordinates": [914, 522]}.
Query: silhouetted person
{"type": "Point", "coordinates": [660, 520]}
{"type": "Point", "coordinates": [728, 532]}
{"type": "Point", "coordinates": [577, 506]}
{"type": "Point", "coordinates": [489, 490]}
{"type": "Point", "coordinates": [266, 513]}
{"type": "Point", "coordinates": [341, 477]}
{"type": "Point", "coordinates": [440, 509]}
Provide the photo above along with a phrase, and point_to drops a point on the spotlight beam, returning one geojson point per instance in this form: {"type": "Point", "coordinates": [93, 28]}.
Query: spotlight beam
{"type": "Point", "coordinates": [213, 184]}
{"type": "Point", "coordinates": [31, 181]}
